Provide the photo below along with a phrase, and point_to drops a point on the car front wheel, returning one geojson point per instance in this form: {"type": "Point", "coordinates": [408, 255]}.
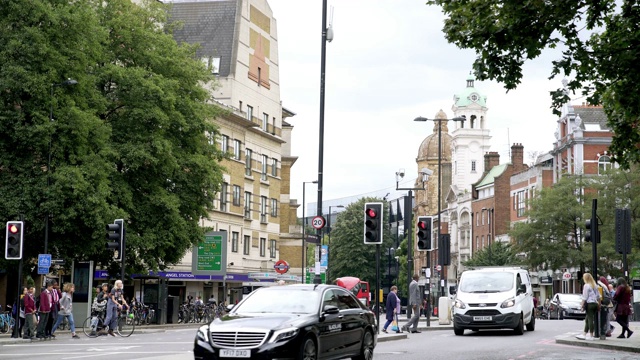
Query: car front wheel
{"type": "Point", "coordinates": [366, 353]}
{"type": "Point", "coordinates": [309, 350]}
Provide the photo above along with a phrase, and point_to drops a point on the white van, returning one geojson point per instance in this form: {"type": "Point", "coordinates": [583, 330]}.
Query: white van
{"type": "Point", "coordinates": [494, 298]}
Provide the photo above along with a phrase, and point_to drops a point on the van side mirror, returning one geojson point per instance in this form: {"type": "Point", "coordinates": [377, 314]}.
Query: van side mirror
{"type": "Point", "coordinates": [452, 290]}
{"type": "Point", "coordinates": [522, 289]}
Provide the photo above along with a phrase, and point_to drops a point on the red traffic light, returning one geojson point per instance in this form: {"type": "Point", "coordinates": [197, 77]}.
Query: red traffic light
{"type": "Point", "coordinates": [13, 229]}
{"type": "Point", "coordinates": [372, 213]}
{"type": "Point", "coordinates": [422, 225]}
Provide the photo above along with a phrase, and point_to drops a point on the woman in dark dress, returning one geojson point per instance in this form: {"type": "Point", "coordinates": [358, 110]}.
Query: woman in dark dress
{"type": "Point", "coordinates": [392, 304]}
{"type": "Point", "coordinates": [622, 298]}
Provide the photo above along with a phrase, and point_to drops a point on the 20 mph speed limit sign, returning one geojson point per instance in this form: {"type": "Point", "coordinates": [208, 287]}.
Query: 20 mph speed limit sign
{"type": "Point", "coordinates": [318, 222]}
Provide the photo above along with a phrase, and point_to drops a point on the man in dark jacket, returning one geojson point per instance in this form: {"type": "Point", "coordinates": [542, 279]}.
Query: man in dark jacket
{"type": "Point", "coordinates": [45, 309]}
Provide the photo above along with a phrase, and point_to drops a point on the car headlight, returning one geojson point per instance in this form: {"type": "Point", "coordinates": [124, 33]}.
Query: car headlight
{"type": "Point", "coordinates": [202, 333]}
{"type": "Point", "coordinates": [283, 334]}
{"type": "Point", "coordinates": [460, 305]}
{"type": "Point", "coordinates": [508, 303]}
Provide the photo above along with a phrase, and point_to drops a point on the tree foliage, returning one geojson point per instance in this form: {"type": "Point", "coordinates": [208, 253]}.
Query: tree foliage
{"type": "Point", "coordinates": [130, 140]}
{"type": "Point", "coordinates": [600, 45]}
{"type": "Point", "coordinates": [496, 254]}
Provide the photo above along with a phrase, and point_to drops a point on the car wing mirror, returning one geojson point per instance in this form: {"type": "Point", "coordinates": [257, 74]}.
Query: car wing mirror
{"type": "Point", "coordinates": [330, 309]}
{"type": "Point", "coordinates": [230, 307]}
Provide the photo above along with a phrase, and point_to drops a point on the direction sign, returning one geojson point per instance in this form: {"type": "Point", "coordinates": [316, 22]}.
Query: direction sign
{"type": "Point", "coordinates": [44, 260]}
{"type": "Point", "coordinates": [318, 222]}
{"type": "Point", "coordinates": [43, 270]}
{"type": "Point", "coordinates": [210, 255]}
{"type": "Point", "coordinates": [281, 267]}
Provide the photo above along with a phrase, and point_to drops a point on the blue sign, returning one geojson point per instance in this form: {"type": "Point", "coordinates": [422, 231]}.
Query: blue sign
{"type": "Point", "coordinates": [324, 256]}
{"type": "Point", "coordinates": [43, 270]}
{"type": "Point", "coordinates": [44, 260]}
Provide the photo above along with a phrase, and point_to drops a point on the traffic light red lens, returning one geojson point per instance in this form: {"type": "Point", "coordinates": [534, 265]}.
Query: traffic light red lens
{"type": "Point", "coordinates": [13, 229]}
{"type": "Point", "coordinates": [422, 225]}
{"type": "Point", "coordinates": [372, 213]}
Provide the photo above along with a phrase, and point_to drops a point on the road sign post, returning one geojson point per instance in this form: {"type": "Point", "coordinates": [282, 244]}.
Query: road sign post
{"type": "Point", "coordinates": [210, 255]}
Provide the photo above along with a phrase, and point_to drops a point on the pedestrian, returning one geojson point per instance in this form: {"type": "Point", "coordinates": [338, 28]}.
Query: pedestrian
{"type": "Point", "coordinates": [591, 305]}
{"type": "Point", "coordinates": [414, 302]}
{"type": "Point", "coordinates": [116, 303]}
{"type": "Point", "coordinates": [44, 310]}
{"type": "Point", "coordinates": [66, 310]}
{"type": "Point", "coordinates": [99, 309]}
{"type": "Point", "coordinates": [535, 306]}
{"type": "Point", "coordinates": [55, 303]}
{"type": "Point", "coordinates": [30, 315]}
{"type": "Point", "coordinates": [606, 308]}
{"type": "Point", "coordinates": [622, 298]}
{"type": "Point", "coordinates": [392, 309]}
{"type": "Point", "coordinates": [21, 315]}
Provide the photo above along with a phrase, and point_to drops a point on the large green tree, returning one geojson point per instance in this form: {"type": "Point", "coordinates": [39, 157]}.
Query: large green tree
{"type": "Point", "coordinates": [131, 140]}
{"type": "Point", "coordinates": [600, 44]}
{"type": "Point", "coordinates": [495, 254]}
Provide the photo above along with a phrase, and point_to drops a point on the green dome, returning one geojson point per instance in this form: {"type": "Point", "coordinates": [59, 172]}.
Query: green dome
{"type": "Point", "coordinates": [470, 95]}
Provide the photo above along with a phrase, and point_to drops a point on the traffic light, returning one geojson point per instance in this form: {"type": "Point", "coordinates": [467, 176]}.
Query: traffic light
{"type": "Point", "coordinates": [587, 234]}
{"type": "Point", "coordinates": [423, 238]}
{"type": "Point", "coordinates": [115, 235]}
{"type": "Point", "coordinates": [445, 249]}
{"type": "Point", "coordinates": [14, 238]}
{"type": "Point", "coordinates": [373, 223]}
{"type": "Point", "coordinates": [623, 231]}
{"type": "Point", "coordinates": [592, 233]}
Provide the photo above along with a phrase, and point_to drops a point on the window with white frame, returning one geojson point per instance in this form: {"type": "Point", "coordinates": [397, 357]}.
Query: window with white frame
{"type": "Point", "coordinates": [274, 167]}
{"type": "Point", "coordinates": [274, 207]}
{"type": "Point", "coordinates": [236, 149]}
{"type": "Point", "coordinates": [482, 212]}
{"type": "Point", "coordinates": [236, 195]}
{"type": "Point", "coordinates": [265, 167]}
{"type": "Point", "coordinates": [265, 121]}
{"type": "Point", "coordinates": [604, 164]}
{"type": "Point", "coordinates": [272, 249]}
{"type": "Point", "coordinates": [247, 205]}
{"type": "Point", "coordinates": [234, 241]}
{"type": "Point", "coordinates": [224, 190]}
{"type": "Point", "coordinates": [246, 245]}
{"type": "Point", "coordinates": [247, 162]}
{"type": "Point", "coordinates": [224, 147]}
{"type": "Point", "coordinates": [249, 112]}
{"type": "Point", "coordinates": [521, 196]}
{"type": "Point", "coordinates": [263, 247]}
{"type": "Point", "coordinates": [473, 166]}
{"type": "Point", "coordinates": [263, 209]}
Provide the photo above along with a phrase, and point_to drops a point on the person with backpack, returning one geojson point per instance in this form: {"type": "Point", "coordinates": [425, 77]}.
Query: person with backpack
{"type": "Point", "coordinates": [606, 308]}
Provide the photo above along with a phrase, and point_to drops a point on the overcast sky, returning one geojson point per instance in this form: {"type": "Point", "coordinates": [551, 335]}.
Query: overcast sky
{"type": "Point", "coordinates": [387, 64]}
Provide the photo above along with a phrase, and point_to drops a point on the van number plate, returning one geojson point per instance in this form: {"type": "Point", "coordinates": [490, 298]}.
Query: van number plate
{"type": "Point", "coordinates": [482, 318]}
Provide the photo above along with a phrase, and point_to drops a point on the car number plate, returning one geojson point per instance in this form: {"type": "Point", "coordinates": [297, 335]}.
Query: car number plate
{"type": "Point", "coordinates": [233, 353]}
{"type": "Point", "coordinates": [482, 318]}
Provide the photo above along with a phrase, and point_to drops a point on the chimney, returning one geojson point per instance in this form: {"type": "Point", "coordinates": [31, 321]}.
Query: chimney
{"type": "Point", "coordinates": [517, 156]}
{"type": "Point", "coordinates": [491, 159]}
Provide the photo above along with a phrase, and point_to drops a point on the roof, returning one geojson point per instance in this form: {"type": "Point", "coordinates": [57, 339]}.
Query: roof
{"type": "Point", "coordinates": [470, 95]}
{"type": "Point", "coordinates": [591, 115]}
{"type": "Point", "coordinates": [491, 176]}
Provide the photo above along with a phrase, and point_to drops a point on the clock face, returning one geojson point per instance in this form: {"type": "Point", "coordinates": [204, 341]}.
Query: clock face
{"type": "Point", "coordinates": [474, 97]}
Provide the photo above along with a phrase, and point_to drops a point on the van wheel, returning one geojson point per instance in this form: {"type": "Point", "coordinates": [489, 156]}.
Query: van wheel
{"type": "Point", "coordinates": [531, 326]}
{"type": "Point", "coordinates": [458, 331]}
{"type": "Point", "coordinates": [519, 330]}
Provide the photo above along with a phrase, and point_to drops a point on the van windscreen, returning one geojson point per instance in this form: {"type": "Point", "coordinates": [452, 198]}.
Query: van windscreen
{"type": "Point", "coordinates": [486, 282]}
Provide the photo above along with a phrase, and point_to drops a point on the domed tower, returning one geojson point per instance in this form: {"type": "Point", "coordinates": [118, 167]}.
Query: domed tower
{"type": "Point", "coordinates": [428, 155]}
{"type": "Point", "coordinates": [471, 139]}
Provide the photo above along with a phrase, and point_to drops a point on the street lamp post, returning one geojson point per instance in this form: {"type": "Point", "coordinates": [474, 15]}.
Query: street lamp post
{"type": "Point", "coordinates": [408, 221]}
{"type": "Point", "coordinates": [224, 285]}
{"type": "Point", "coordinates": [329, 241]}
{"type": "Point", "coordinates": [461, 119]}
{"type": "Point", "coordinates": [304, 222]}
{"type": "Point", "coordinates": [68, 82]}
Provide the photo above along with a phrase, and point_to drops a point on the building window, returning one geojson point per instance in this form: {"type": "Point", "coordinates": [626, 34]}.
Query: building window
{"type": "Point", "coordinates": [274, 167]}
{"type": "Point", "coordinates": [265, 121]}
{"type": "Point", "coordinates": [211, 138]}
{"type": "Point", "coordinates": [473, 166]}
{"type": "Point", "coordinates": [604, 164]}
{"type": "Point", "coordinates": [477, 220]}
{"type": "Point", "coordinates": [249, 112]}
{"type": "Point", "coordinates": [263, 247]}
{"type": "Point", "coordinates": [234, 241]}
{"type": "Point", "coordinates": [236, 195]}
{"type": "Point", "coordinates": [247, 205]}
{"type": "Point", "coordinates": [247, 161]}
{"type": "Point", "coordinates": [274, 208]}
{"type": "Point", "coordinates": [482, 212]}
{"type": "Point", "coordinates": [521, 202]}
{"type": "Point", "coordinates": [246, 245]}
{"type": "Point", "coordinates": [236, 149]}
{"type": "Point", "coordinates": [263, 209]}
{"type": "Point", "coordinates": [272, 249]}
{"type": "Point", "coordinates": [265, 167]}
{"type": "Point", "coordinates": [225, 144]}
{"type": "Point", "coordinates": [224, 189]}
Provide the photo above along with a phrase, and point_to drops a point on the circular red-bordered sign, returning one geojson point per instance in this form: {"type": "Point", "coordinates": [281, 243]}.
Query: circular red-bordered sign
{"type": "Point", "coordinates": [281, 267]}
{"type": "Point", "coordinates": [318, 222]}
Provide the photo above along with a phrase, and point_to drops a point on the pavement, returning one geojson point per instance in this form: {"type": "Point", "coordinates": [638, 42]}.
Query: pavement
{"type": "Point", "coordinates": [631, 344]}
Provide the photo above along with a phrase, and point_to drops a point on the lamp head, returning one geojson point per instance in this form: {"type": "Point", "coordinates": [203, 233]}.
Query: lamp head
{"type": "Point", "coordinates": [399, 174]}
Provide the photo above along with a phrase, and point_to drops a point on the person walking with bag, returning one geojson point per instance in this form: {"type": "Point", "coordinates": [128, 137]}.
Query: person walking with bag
{"type": "Point", "coordinates": [392, 305]}
{"type": "Point", "coordinates": [591, 304]}
{"type": "Point", "coordinates": [66, 310]}
{"type": "Point", "coordinates": [622, 310]}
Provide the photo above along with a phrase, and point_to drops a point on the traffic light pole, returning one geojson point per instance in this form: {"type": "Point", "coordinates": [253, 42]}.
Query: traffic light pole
{"type": "Point", "coordinates": [124, 244]}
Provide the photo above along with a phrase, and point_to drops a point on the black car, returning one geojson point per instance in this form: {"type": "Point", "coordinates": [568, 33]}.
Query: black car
{"type": "Point", "coordinates": [565, 306]}
{"type": "Point", "coordinates": [305, 322]}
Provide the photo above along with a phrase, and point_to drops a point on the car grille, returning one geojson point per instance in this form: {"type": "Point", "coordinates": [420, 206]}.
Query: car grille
{"type": "Point", "coordinates": [480, 305]}
{"type": "Point", "coordinates": [238, 339]}
{"type": "Point", "coordinates": [487, 312]}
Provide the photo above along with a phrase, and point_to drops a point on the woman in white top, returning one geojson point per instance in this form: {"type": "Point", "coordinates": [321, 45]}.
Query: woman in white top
{"type": "Point", "coordinates": [590, 303]}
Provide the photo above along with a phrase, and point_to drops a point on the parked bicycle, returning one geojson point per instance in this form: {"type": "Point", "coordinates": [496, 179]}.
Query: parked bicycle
{"type": "Point", "coordinates": [6, 322]}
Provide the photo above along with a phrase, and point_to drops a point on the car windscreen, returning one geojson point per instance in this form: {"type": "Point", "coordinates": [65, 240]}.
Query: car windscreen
{"type": "Point", "coordinates": [282, 300]}
{"type": "Point", "coordinates": [486, 282]}
{"type": "Point", "coordinates": [570, 298]}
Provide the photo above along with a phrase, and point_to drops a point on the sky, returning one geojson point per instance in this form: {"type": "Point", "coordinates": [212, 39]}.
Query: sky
{"type": "Point", "coordinates": [388, 63]}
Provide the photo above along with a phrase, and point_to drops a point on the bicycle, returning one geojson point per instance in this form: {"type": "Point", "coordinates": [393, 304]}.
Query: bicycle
{"type": "Point", "coordinates": [124, 327]}
{"type": "Point", "coordinates": [6, 322]}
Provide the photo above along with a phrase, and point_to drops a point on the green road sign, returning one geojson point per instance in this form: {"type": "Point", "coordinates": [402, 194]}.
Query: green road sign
{"type": "Point", "coordinates": [311, 275]}
{"type": "Point", "coordinates": [210, 255]}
